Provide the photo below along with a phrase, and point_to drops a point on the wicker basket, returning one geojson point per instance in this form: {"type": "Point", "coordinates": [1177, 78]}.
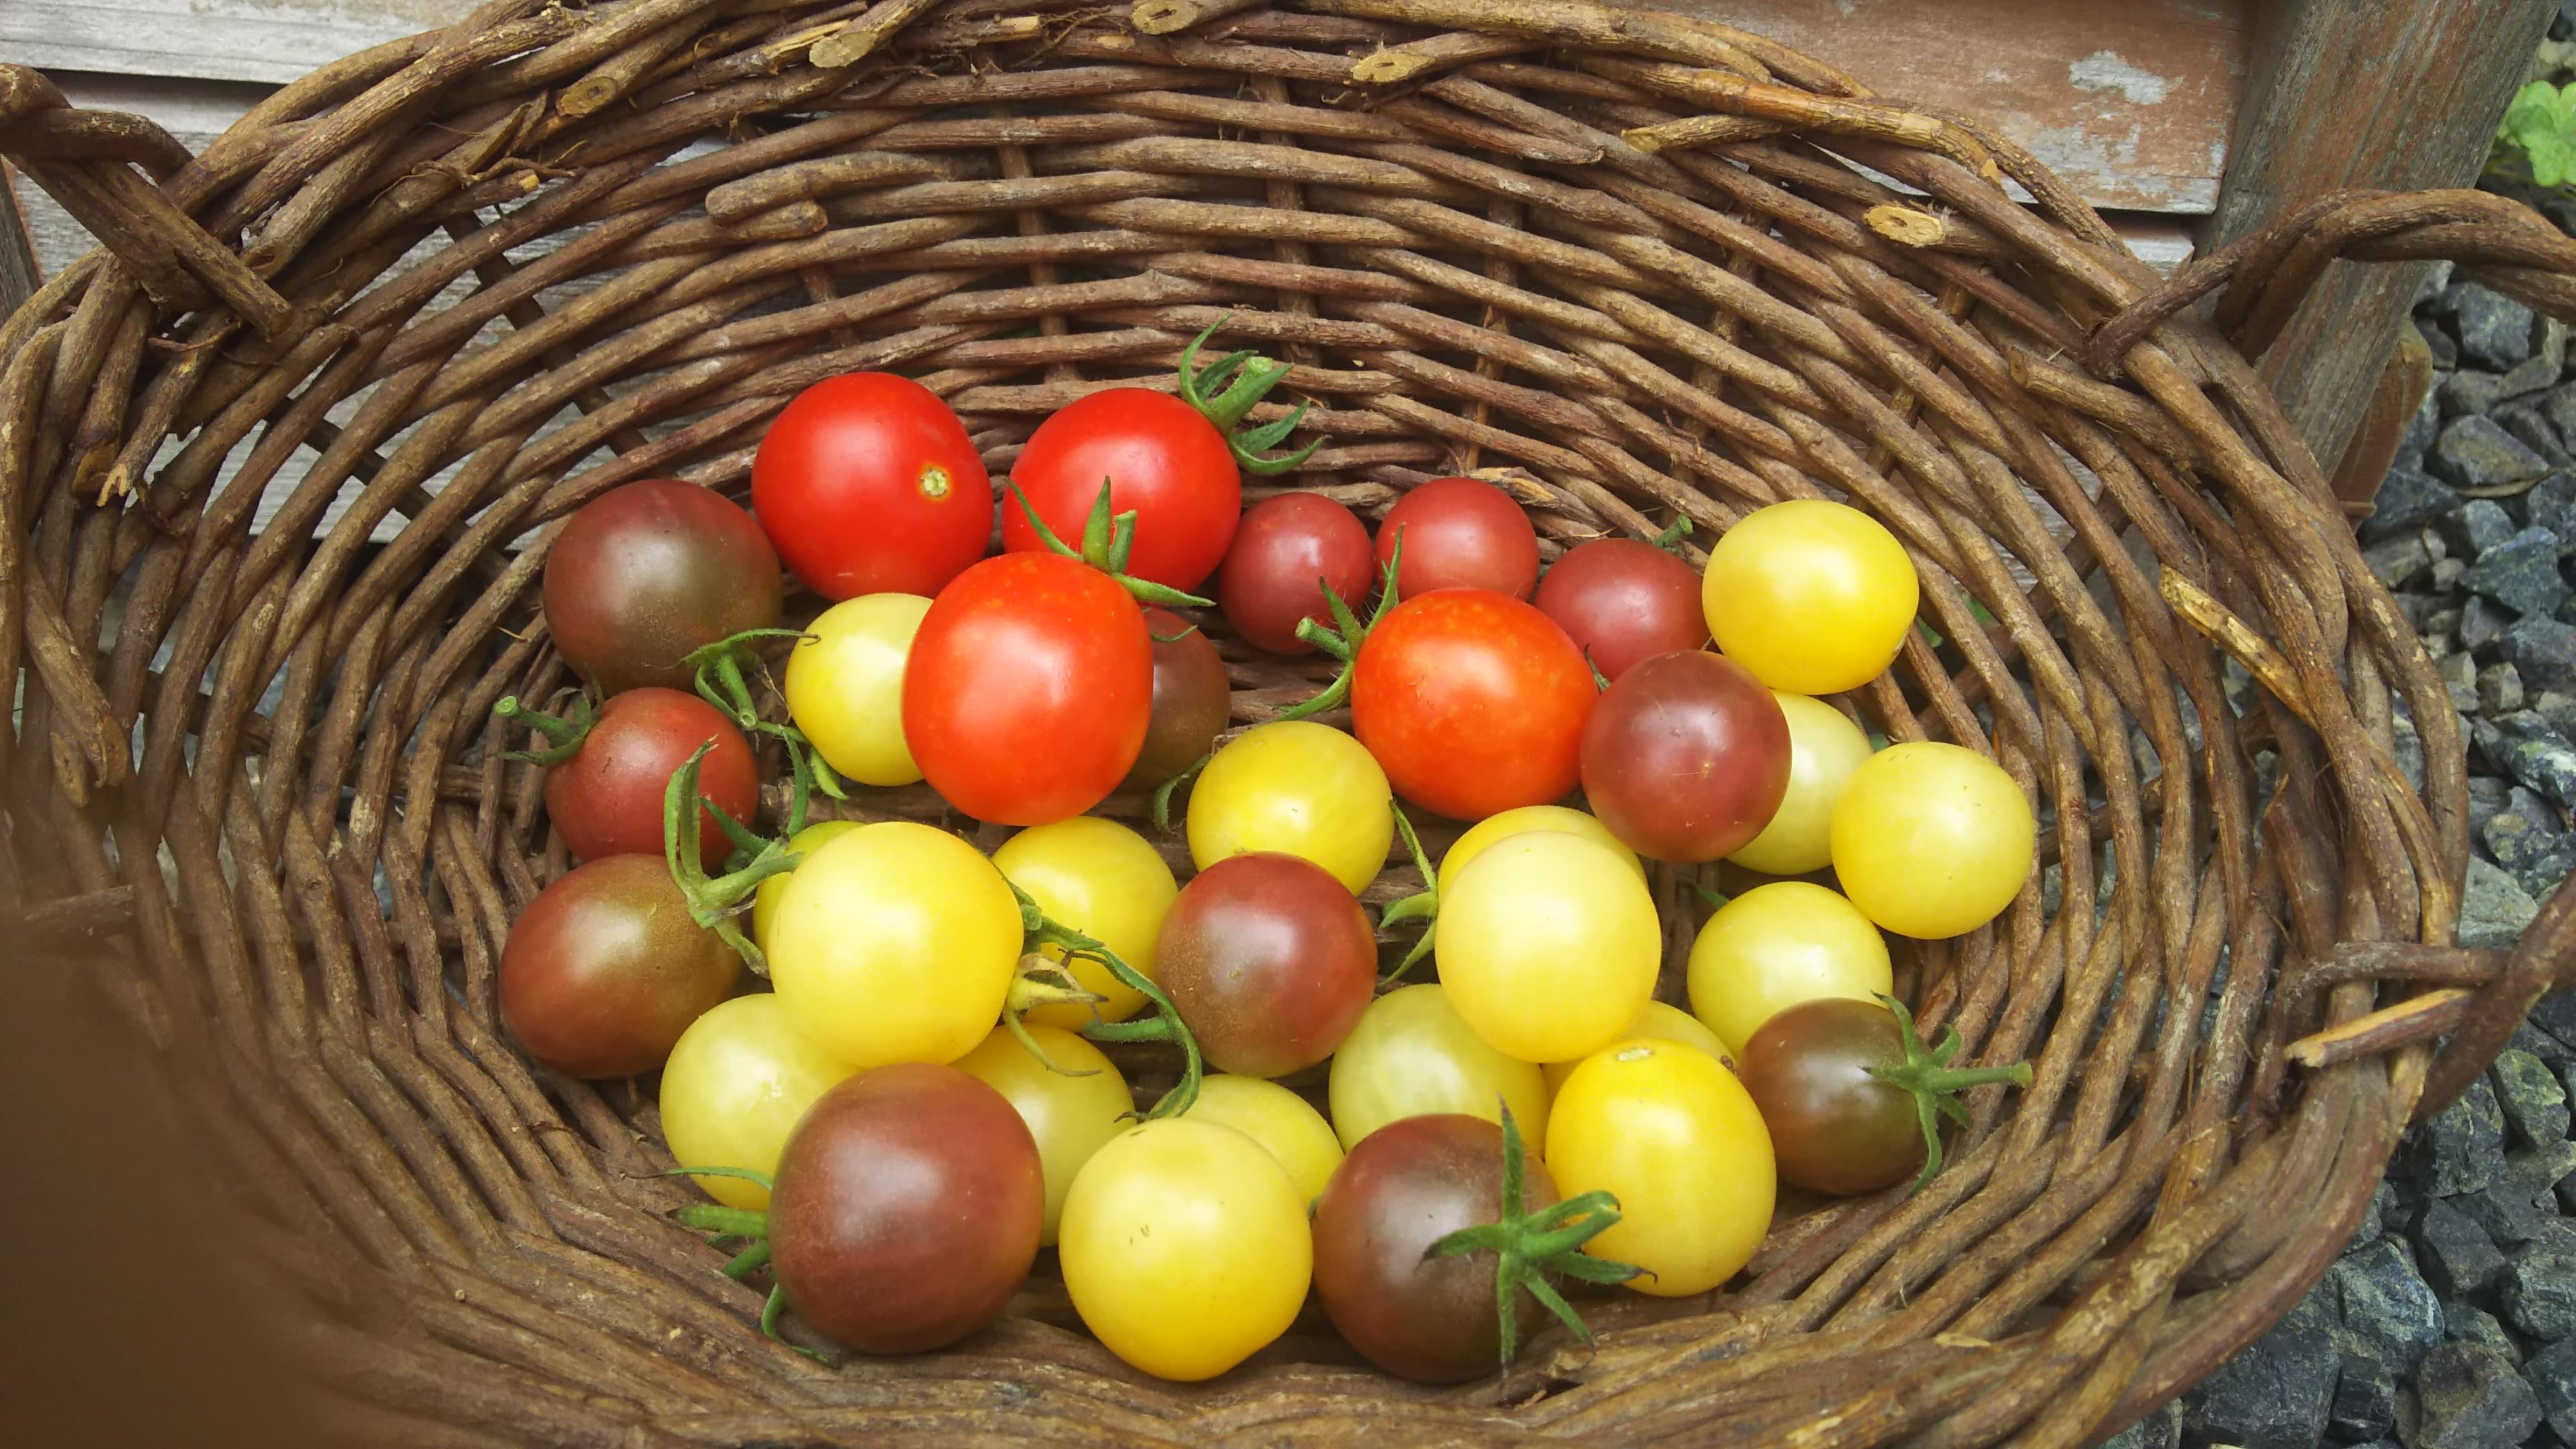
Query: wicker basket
{"type": "Point", "coordinates": [1635, 265]}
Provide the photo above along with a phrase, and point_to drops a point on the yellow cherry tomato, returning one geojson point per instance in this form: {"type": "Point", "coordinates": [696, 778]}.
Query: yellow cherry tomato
{"type": "Point", "coordinates": [1812, 596]}
{"type": "Point", "coordinates": [1412, 1054]}
{"type": "Point", "coordinates": [1279, 1120]}
{"type": "Point", "coordinates": [1775, 946]}
{"type": "Point", "coordinates": [844, 685]}
{"type": "Point", "coordinates": [1676, 1138]}
{"type": "Point", "coordinates": [1657, 1022]}
{"type": "Point", "coordinates": [1100, 878]}
{"type": "Point", "coordinates": [1070, 1112]}
{"type": "Point", "coordinates": [1548, 945]}
{"type": "Point", "coordinates": [1932, 840]}
{"type": "Point", "coordinates": [1522, 821]}
{"type": "Point", "coordinates": [895, 943]}
{"type": "Point", "coordinates": [765, 897]}
{"type": "Point", "coordinates": [1300, 788]}
{"type": "Point", "coordinates": [1185, 1247]}
{"type": "Point", "coordinates": [1824, 749]}
{"type": "Point", "coordinates": [736, 1083]}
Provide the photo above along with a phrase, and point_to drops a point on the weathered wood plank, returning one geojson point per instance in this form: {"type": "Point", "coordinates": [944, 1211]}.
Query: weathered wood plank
{"type": "Point", "coordinates": [19, 276]}
{"type": "Point", "coordinates": [253, 40]}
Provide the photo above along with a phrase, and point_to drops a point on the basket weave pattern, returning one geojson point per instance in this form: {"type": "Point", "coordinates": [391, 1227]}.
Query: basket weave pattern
{"type": "Point", "coordinates": [1624, 261]}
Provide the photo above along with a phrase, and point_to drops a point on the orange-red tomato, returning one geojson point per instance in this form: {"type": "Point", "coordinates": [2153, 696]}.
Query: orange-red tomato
{"type": "Point", "coordinates": [1473, 701]}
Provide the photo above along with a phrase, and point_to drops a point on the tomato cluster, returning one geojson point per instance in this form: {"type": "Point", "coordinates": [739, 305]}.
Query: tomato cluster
{"type": "Point", "coordinates": [919, 1103]}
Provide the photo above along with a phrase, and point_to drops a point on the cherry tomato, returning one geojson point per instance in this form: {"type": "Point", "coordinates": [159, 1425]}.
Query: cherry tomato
{"type": "Point", "coordinates": [1100, 878]}
{"type": "Point", "coordinates": [1185, 1247]}
{"type": "Point", "coordinates": [1687, 757]}
{"type": "Point", "coordinates": [1296, 787]}
{"type": "Point", "coordinates": [895, 943]}
{"type": "Point", "coordinates": [735, 1086]}
{"type": "Point", "coordinates": [1459, 533]}
{"type": "Point", "coordinates": [1473, 701]}
{"type": "Point", "coordinates": [1657, 1022]}
{"type": "Point", "coordinates": [607, 798]}
{"type": "Point", "coordinates": [1775, 946]}
{"type": "Point", "coordinates": [1278, 1119]}
{"type": "Point", "coordinates": [871, 1230]}
{"type": "Point", "coordinates": [1932, 840]}
{"type": "Point", "coordinates": [1288, 551]}
{"type": "Point", "coordinates": [1160, 458]}
{"type": "Point", "coordinates": [1548, 945]}
{"type": "Point", "coordinates": [604, 969]}
{"type": "Point", "coordinates": [1404, 1188]}
{"type": "Point", "coordinates": [1813, 597]}
{"type": "Point", "coordinates": [844, 685]}
{"type": "Point", "coordinates": [1270, 962]}
{"type": "Point", "coordinates": [1674, 1136]}
{"type": "Point", "coordinates": [1411, 1054]}
{"type": "Point", "coordinates": [1824, 749]}
{"type": "Point", "coordinates": [645, 574]}
{"type": "Point", "coordinates": [1071, 1108]}
{"type": "Point", "coordinates": [765, 897]}
{"type": "Point", "coordinates": [1193, 700]}
{"type": "Point", "coordinates": [1837, 1128]}
{"type": "Point", "coordinates": [868, 485]}
{"type": "Point", "coordinates": [1522, 821]}
{"type": "Point", "coordinates": [1030, 686]}
{"type": "Point", "coordinates": [1623, 601]}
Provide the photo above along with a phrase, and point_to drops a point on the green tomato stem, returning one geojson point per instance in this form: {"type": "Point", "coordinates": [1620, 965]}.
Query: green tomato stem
{"type": "Point", "coordinates": [714, 902]}
{"type": "Point", "coordinates": [1106, 542]}
{"type": "Point", "coordinates": [565, 735]}
{"type": "Point", "coordinates": [1162, 801]}
{"type": "Point", "coordinates": [1226, 390]}
{"type": "Point", "coordinates": [1040, 932]}
{"type": "Point", "coordinates": [1423, 905]}
{"type": "Point", "coordinates": [1529, 1246]}
{"type": "Point", "coordinates": [1670, 540]}
{"type": "Point", "coordinates": [1347, 634]}
{"type": "Point", "coordinates": [721, 682]}
{"type": "Point", "coordinates": [1935, 1084]}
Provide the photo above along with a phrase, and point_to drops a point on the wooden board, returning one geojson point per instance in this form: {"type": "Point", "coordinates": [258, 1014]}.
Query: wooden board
{"type": "Point", "coordinates": [242, 40]}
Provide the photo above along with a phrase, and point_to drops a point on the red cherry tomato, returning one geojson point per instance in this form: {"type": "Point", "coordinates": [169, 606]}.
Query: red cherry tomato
{"type": "Point", "coordinates": [1289, 549]}
{"type": "Point", "coordinates": [605, 969]}
{"type": "Point", "coordinates": [1159, 456]}
{"type": "Point", "coordinates": [1270, 961]}
{"type": "Point", "coordinates": [644, 575]}
{"type": "Point", "coordinates": [1029, 689]}
{"type": "Point", "coordinates": [607, 798]}
{"type": "Point", "coordinates": [1193, 699]}
{"type": "Point", "coordinates": [1473, 701]}
{"type": "Point", "coordinates": [1623, 601]}
{"type": "Point", "coordinates": [1460, 533]}
{"type": "Point", "coordinates": [1687, 757]}
{"type": "Point", "coordinates": [868, 485]}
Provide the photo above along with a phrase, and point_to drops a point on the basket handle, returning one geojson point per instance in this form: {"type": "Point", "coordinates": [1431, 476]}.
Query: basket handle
{"type": "Point", "coordinates": [85, 160]}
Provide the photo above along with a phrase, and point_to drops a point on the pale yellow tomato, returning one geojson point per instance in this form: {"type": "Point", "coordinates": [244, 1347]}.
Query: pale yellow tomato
{"type": "Point", "coordinates": [1932, 840]}
{"type": "Point", "coordinates": [1070, 1112]}
{"type": "Point", "coordinates": [1412, 1054]}
{"type": "Point", "coordinates": [1812, 596]}
{"type": "Point", "coordinates": [1677, 1140]}
{"type": "Point", "coordinates": [1775, 946]}
{"type": "Point", "coordinates": [1300, 788]}
{"type": "Point", "coordinates": [1100, 878]}
{"type": "Point", "coordinates": [1657, 1022]}
{"type": "Point", "coordinates": [765, 897]}
{"type": "Point", "coordinates": [1523, 821]}
{"type": "Point", "coordinates": [1279, 1120]}
{"type": "Point", "coordinates": [1548, 945]}
{"type": "Point", "coordinates": [1824, 749]}
{"type": "Point", "coordinates": [844, 685]}
{"type": "Point", "coordinates": [734, 1087]}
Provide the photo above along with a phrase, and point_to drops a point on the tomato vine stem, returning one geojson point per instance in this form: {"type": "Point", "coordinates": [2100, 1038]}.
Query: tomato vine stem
{"type": "Point", "coordinates": [720, 681]}
{"type": "Point", "coordinates": [564, 736]}
{"type": "Point", "coordinates": [1422, 905]}
{"type": "Point", "coordinates": [1106, 543]}
{"type": "Point", "coordinates": [1528, 1246]}
{"type": "Point", "coordinates": [1225, 390]}
{"type": "Point", "coordinates": [1344, 639]}
{"type": "Point", "coordinates": [1165, 1024]}
{"type": "Point", "coordinates": [1926, 1072]}
{"type": "Point", "coordinates": [714, 901]}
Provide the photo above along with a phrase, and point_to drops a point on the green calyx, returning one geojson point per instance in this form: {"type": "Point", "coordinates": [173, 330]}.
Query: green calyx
{"type": "Point", "coordinates": [1670, 540]}
{"type": "Point", "coordinates": [1423, 905]}
{"type": "Point", "coordinates": [563, 736]}
{"type": "Point", "coordinates": [1529, 1246]}
{"type": "Point", "coordinates": [715, 901]}
{"type": "Point", "coordinates": [722, 682]}
{"type": "Point", "coordinates": [1106, 543]}
{"type": "Point", "coordinates": [749, 1227]}
{"type": "Point", "coordinates": [1926, 1072]}
{"type": "Point", "coordinates": [1162, 798]}
{"type": "Point", "coordinates": [1225, 390]}
{"type": "Point", "coordinates": [1042, 981]}
{"type": "Point", "coordinates": [1343, 640]}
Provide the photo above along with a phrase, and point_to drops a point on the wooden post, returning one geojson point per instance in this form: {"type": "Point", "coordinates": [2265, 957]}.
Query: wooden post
{"type": "Point", "coordinates": [18, 279]}
{"type": "Point", "coordinates": [2397, 94]}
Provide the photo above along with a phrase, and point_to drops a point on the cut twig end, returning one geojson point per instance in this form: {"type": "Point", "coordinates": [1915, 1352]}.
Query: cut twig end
{"type": "Point", "coordinates": [1387, 67]}
{"type": "Point", "coordinates": [1163, 17]}
{"type": "Point", "coordinates": [1906, 225]}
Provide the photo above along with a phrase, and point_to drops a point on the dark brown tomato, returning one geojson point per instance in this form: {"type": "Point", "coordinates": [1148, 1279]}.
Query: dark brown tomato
{"type": "Point", "coordinates": [1686, 757]}
{"type": "Point", "coordinates": [607, 799]}
{"type": "Point", "coordinates": [646, 574]}
{"type": "Point", "coordinates": [1288, 550]}
{"type": "Point", "coordinates": [1407, 1185]}
{"type": "Point", "coordinates": [907, 1209]}
{"type": "Point", "coordinates": [1834, 1127]}
{"type": "Point", "coordinates": [1270, 961]}
{"type": "Point", "coordinates": [1193, 700]}
{"type": "Point", "coordinates": [1623, 601]}
{"type": "Point", "coordinates": [605, 969]}
{"type": "Point", "coordinates": [1460, 533]}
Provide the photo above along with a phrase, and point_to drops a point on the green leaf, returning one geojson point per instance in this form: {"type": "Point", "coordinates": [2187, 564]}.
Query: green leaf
{"type": "Point", "coordinates": [2541, 123]}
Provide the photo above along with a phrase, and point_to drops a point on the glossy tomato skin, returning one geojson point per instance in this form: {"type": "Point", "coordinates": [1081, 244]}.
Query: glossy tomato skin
{"type": "Point", "coordinates": [1193, 700]}
{"type": "Point", "coordinates": [1159, 457]}
{"type": "Point", "coordinates": [607, 799]}
{"type": "Point", "coordinates": [868, 485]}
{"type": "Point", "coordinates": [1623, 601]}
{"type": "Point", "coordinates": [1029, 690]}
{"type": "Point", "coordinates": [604, 969]}
{"type": "Point", "coordinates": [645, 574]}
{"type": "Point", "coordinates": [1406, 1186]}
{"type": "Point", "coordinates": [1460, 533]}
{"type": "Point", "coordinates": [1473, 701]}
{"type": "Point", "coordinates": [1270, 961]}
{"type": "Point", "coordinates": [1834, 1127]}
{"type": "Point", "coordinates": [1687, 757]}
{"type": "Point", "coordinates": [1287, 552]}
{"type": "Point", "coordinates": [908, 1209]}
